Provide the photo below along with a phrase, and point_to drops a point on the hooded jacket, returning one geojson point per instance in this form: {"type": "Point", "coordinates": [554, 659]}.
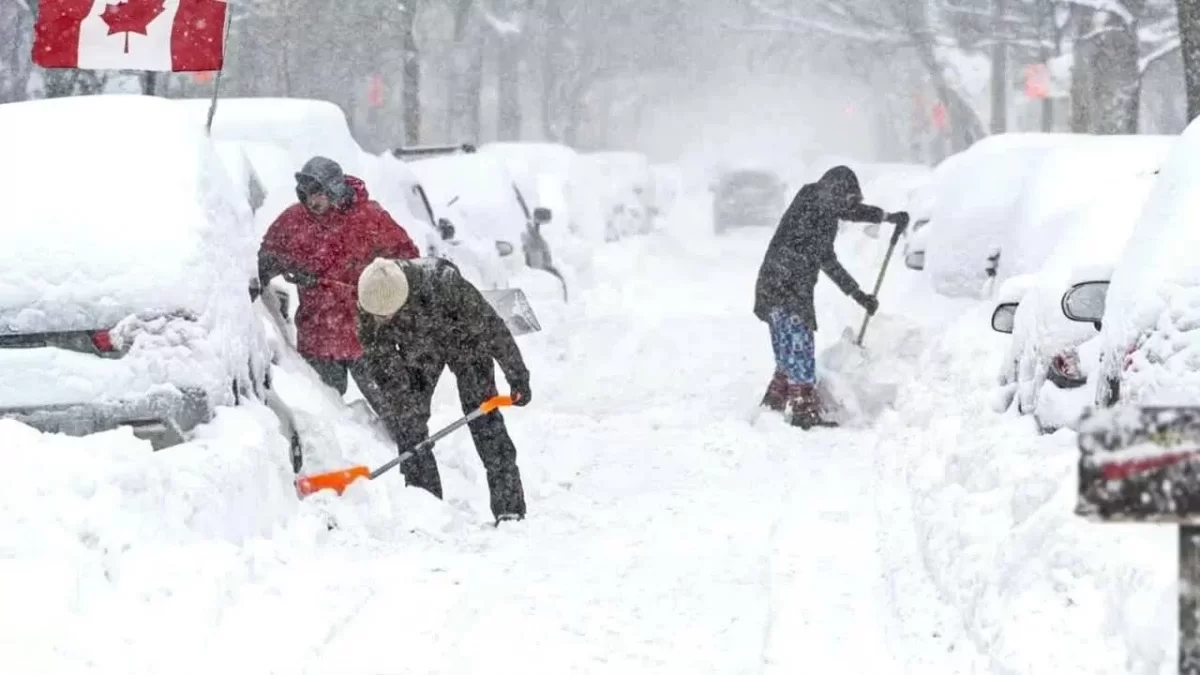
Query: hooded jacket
{"type": "Point", "coordinates": [334, 248]}
{"type": "Point", "coordinates": [802, 246]}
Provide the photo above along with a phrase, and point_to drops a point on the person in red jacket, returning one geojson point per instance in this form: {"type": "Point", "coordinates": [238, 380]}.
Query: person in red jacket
{"type": "Point", "coordinates": [322, 244]}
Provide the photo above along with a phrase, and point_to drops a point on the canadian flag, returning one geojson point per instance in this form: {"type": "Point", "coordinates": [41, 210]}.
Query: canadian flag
{"type": "Point", "coordinates": [162, 35]}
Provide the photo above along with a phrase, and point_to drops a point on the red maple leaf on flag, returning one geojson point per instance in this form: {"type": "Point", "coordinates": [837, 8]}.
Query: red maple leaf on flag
{"type": "Point", "coordinates": [131, 16]}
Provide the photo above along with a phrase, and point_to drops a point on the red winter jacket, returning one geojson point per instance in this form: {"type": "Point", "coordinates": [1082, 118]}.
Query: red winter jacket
{"type": "Point", "coordinates": [335, 248]}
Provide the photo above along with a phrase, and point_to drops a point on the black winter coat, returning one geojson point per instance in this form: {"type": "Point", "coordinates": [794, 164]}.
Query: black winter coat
{"type": "Point", "coordinates": [803, 246]}
{"type": "Point", "coordinates": [445, 321]}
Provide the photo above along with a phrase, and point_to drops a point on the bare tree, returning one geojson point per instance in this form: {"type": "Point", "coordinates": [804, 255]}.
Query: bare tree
{"type": "Point", "coordinates": [1189, 35]}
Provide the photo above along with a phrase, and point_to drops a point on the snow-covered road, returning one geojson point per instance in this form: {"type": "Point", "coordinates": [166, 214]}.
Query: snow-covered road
{"type": "Point", "coordinates": [672, 528]}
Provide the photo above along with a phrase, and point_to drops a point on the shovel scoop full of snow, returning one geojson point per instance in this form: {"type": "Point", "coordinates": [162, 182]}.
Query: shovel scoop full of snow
{"type": "Point", "coordinates": [338, 481]}
{"type": "Point", "coordinates": [1140, 464]}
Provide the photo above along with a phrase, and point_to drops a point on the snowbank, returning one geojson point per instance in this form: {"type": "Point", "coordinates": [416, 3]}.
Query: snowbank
{"type": "Point", "coordinates": [1037, 589]}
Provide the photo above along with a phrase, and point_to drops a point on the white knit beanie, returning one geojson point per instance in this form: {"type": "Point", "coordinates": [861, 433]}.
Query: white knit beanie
{"type": "Point", "coordinates": [382, 288]}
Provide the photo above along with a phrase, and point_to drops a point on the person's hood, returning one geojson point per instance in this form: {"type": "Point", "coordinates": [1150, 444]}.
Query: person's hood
{"type": "Point", "coordinates": [839, 183]}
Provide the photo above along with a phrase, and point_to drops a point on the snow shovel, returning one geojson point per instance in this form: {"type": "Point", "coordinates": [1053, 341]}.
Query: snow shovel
{"type": "Point", "coordinates": [513, 307]}
{"type": "Point", "coordinates": [338, 481]}
{"type": "Point", "coordinates": [878, 284]}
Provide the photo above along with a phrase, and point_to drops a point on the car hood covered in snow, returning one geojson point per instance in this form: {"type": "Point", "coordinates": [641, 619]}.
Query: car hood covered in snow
{"type": "Point", "coordinates": [113, 203]}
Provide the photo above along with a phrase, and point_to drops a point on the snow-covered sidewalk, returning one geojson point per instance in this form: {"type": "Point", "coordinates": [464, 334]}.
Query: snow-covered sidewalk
{"type": "Point", "coordinates": [672, 528]}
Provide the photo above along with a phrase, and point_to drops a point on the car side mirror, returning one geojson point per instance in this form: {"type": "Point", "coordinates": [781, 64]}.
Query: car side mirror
{"type": "Point", "coordinates": [915, 260]}
{"type": "Point", "coordinates": [993, 265]}
{"type": "Point", "coordinates": [504, 248]}
{"type": "Point", "coordinates": [1085, 302]}
{"type": "Point", "coordinates": [1004, 317]}
{"type": "Point", "coordinates": [542, 215]}
{"type": "Point", "coordinates": [445, 229]}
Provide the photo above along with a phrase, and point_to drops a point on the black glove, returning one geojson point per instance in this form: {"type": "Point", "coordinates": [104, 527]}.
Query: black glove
{"type": "Point", "coordinates": [519, 390]}
{"type": "Point", "coordinates": [301, 278]}
{"type": "Point", "coordinates": [900, 220]}
{"type": "Point", "coordinates": [869, 302]}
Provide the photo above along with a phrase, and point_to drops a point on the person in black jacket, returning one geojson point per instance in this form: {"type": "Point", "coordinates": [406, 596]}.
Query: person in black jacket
{"type": "Point", "coordinates": [800, 250]}
{"type": "Point", "coordinates": [415, 317]}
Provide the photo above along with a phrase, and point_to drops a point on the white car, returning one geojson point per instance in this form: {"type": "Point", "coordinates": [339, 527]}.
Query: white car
{"type": "Point", "coordinates": [1095, 194]}
{"type": "Point", "coordinates": [981, 230]}
{"type": "Point", "coordinates": [125, 297]}
{"type": "Point", "coordinates": [476, 193]}
{"type": "Point", "coordinates": [1150, 322]}
{"type": "Point", "coordinates": [630, 191]}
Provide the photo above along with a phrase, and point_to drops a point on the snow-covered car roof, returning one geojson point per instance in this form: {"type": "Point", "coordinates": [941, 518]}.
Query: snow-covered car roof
{"type": "Point", "coordinates": [304, 127]}
{"type": "Point", "coordinates": [478, 187]}
{"type": "Point", "coordinates": [1018, 193]}
{"type": "Point", "coordinates": [115, 201]}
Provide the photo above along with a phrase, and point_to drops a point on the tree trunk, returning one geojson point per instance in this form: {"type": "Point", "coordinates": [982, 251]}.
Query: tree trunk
{"type": "Point", "coordinates": [1189, 38]}
{"type": "Point", "coordinates": [554, 28]}
{"type": "Point", "coordinates": [999, 71]}
{"type": "Point", "coordinates": [508, 88]}
{"type": "Point", "coordinates": [473, 97]}
{"type": "Point", "coordinates": [461, 57]}
{"type": "Point", "coordinates": [412, 75]}
{"type": "Point", "coordinates": [1082, 57]}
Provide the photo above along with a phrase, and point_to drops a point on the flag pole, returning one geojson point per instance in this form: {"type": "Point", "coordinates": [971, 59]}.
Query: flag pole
{"type": "Point", "coordinates": [212, 108]}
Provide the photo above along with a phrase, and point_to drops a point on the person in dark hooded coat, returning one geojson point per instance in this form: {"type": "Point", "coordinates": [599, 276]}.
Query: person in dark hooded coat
{"type": "Point", "coordinates": [800, 250]}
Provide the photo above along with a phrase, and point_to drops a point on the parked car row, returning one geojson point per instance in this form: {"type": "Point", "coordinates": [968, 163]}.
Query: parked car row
{"type": "Point", "coordinates": [1110, 317]}
{"type": "Point", "coordinates": [127, 296]}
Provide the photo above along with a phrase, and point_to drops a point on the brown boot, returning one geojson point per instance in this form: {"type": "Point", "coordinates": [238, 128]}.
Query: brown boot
{"type": "Point", "coordinates": [807, 411]}
{"type": "Point", "coordinates": [777, 391]}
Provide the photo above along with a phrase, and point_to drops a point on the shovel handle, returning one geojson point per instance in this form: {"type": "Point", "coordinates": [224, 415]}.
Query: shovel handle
{"type": "Point", "coordinates": [489, 406]}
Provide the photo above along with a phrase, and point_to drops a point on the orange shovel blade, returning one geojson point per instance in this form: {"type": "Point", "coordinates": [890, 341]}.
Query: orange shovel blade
{"type": "Point", "coordinates": [337, 481]}
{"type": "Point", "coordinates": [494, 403]}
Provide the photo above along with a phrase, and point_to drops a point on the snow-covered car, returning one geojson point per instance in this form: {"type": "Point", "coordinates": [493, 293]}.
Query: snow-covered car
{"type": "Point", "coordinates": [995, 216]}
{"type": "Point", "coordinates": [915, 241]}
{"type": "Point", "coordinates": [557, 177]}
{"type": "Point", "coordinates": [126, 271]}
{"type": "Point", "coordinates": [1008, 300]}
{"type": "Point", "coordinates": [1150, 322]}
{"type": "Point", "coordinates": [1096, 218]}
{"type": "Point", "coordinates": [475, 193]}
{"type": "Point", "coordinates": [629, 191]}
{"type": "Point", "coordinates": [748, 198]}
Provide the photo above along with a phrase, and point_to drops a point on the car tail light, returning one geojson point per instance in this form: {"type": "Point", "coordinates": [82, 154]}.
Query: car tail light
{"type": "Point", "coordinates": [1065, 371]}
{"type": "Point", "coordinates": [1128, 361]}
{"type": "Point", "coordinates": [103, 341]}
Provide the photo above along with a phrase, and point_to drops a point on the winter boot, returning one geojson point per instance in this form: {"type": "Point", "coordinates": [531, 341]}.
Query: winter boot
{"type": "Point", "coordinates": [508, 517]}
{"type": "Point", "coordinates": [806, 409]}
{"type": "Point", "coordinates": [777, 391]}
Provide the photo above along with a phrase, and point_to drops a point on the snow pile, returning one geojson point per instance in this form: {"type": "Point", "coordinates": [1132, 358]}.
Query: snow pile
{"type": "Point", "coordinates": [1155, 289]}
{"type": "Point", "coordinates": [1038, 589]}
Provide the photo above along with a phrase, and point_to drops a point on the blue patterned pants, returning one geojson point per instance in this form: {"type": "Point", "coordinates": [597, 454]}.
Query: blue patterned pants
{"type": "Point", "coordinates": [794, 348]}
